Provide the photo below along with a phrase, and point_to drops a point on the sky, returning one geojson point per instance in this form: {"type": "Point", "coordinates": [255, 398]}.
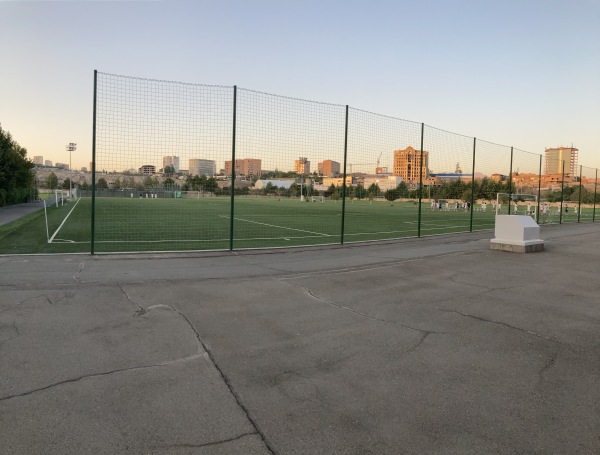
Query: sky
{"type": "Point", "coordinates": [522, 73]}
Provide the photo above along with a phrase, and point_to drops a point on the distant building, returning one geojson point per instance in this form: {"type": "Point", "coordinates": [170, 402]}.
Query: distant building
{"type": "Point", "coordinates": [328, 168]}
{"type": "Point", "coordinates": [260, 184]}
{"type": "Point", "coordinates": [441, 177]}
{"type": "Point", "coordinates": [554, 158]}
{"type": "Point", "coordinates": [147, 169]}
{"type": "Point", "coordinates": [302, 166]}
{"type": "Point", "coordinates": [39, 160]}
{"type": "Point", "coordinates": [171, 160]}
{"type": "Point", "coordinates": [246, 166]}
{"type": "Point", "coordinates": [384, 182]}
{"type": "Point", "coordinates": [338, 181]}
{"type": "Point", "coordinates": [84, 169]}
{"type": "Point", "coordinates": [48, 163]}
{"type": "Point", "coordinates": [407, 163]}
{"type": "Point", "coordinates": [202, 167]}
{"type": "Point", "coordinates": [62, 166]}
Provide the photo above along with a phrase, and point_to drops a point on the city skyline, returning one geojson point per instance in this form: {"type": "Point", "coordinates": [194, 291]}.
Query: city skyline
{"type": "Point", "coordinates": [496, 71]}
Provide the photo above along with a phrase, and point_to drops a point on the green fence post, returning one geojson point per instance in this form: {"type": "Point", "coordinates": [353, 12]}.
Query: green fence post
{"type": "Point", "coordinates": [420, 181]}
{"type": "Point", "coordinates": [473, 186]}
{"type": "Point", "coordinates": [510, 181]}
{"type": "Point", "coordinates": [595, 193]}
{"type": "Point", "coordinates": [93, 220]}
{"type": "Point", "coordinates": [232, 196]}
{"type": "Point", "coordinates": [344, 180]}
{"type": "Point", "coordinates": [537, 217]}
{"type": "Point", "coordinates": [580, 189]}
{"type": "Point", "coordinates": [562, 192]}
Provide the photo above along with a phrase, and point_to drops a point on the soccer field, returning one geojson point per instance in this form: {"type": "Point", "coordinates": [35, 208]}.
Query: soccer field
{"type": "Point", "coordinates": [204, 223]}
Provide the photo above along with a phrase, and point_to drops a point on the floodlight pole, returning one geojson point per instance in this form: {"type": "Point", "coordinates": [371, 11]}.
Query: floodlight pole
{"type": "Point", "coordinates": [71, 147]}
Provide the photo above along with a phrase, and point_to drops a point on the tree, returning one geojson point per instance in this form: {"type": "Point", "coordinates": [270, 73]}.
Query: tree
{"type": "Point", "coordinates": [52, 181]}
{"type": "Point", "coordinates": [101, 184]}
{"type": "Point", "coordinates": [402, 189]}
{"type": "Point", "coordinates": [392, 195]}
{"type": "Point", "coordinates": [16, 171]}
{"type": "Point", "coordinates": [360, 191]}
{"type": "Point", "coordinates": [169, 182]}
{"type": "Point", "coordinates": [169, 170]}
{"type": "Point", "coordinates": [374, 190]}
{"type": "Point", "coordinates": [66, 184]}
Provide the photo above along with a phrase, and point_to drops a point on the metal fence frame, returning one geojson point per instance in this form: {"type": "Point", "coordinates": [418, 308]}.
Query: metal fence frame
{"type": "Point", "coordinates": [420, 194]}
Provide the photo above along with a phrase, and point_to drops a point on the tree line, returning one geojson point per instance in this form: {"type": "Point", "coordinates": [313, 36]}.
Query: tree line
{"type": "Point", "coordinates": [16, 172]}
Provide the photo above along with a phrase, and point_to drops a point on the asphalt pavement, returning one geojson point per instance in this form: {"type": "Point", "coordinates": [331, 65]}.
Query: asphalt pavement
{"type": "Point", "coordinates": [418, 346]}
{"type": "Point", "coordinates": [14, 212]}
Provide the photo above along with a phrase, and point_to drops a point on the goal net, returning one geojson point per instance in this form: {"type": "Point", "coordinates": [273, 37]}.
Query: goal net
{"type": "Point", "coordinates": [516, 204]}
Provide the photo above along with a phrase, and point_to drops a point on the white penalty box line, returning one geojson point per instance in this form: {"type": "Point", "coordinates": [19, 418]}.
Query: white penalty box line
{"type": "Point", "coordinates": [276, 226]}
{"type": "Point", "coordinates": [63, 222]}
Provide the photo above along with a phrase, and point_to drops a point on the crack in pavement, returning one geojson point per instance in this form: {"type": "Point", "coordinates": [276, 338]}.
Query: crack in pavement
{"type": "Point", "coordinates": [351, 310]}
{"type": "Point", "coordinates": [104, 373]}
{"type": "Point", "coordinates": [549, 364]}
{"type": "Point", "coordinates": [207, 444]}
{"type": "Point", "coordinates": [224, 377]}
{"type": "Point", "coordinates": [503, 324]}
{"type": "Point", "coordinates": [141, 310]}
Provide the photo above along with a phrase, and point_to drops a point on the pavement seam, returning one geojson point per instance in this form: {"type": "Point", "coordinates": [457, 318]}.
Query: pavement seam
{"type": "Point", "coordinates": [224, 377]}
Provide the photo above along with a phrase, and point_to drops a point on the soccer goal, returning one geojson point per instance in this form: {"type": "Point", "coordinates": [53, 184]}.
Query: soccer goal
{"type": "Point", "coordinates": [317, 199]}
{"type": "Point", "coordinates": [516, 204]}
{"type": "Point", "coordinates": [189, 194]}
{"type": "Point", "coordinates": [57, 198]}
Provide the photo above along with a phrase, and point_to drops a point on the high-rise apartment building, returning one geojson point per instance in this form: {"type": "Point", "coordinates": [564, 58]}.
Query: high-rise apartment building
{"type": "Point", "coordinates": [407, 163]}
{"type": "Point", "coordinates": [302, 166]}
{"type": "Point", "coordinates": [328, 168]}
{"type": "Point", "coordinates": [202, 167]}
{"type": "Point", "coordinates": [39, 160]}
{"type": "Point", "coordinates": [246, 166]}
{"type": "Point", "coordinates": [48, 163]}
{"type": "Point", "coordinates": [554, 158]}
{"type": "Point", "coordinates": [171, 160]}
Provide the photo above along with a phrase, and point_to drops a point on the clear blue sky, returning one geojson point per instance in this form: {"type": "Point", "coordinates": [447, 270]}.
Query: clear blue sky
{"type": "Point", "coordinates": [521, 73]}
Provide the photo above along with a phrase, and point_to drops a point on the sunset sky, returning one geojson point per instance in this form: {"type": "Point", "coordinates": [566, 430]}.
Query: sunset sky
{"type": "Point", "coordinates": [518, 73]}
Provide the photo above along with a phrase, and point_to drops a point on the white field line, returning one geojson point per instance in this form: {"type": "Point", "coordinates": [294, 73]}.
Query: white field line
{"type": "Point", "coordinates": [258, 238]}
{"type": "Point", "coordinates": [61, 224]}
{"type": "Point", "coordinates": [276, 226]}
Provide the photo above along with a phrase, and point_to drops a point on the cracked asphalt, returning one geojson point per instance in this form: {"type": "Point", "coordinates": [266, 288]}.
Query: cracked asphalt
{"type": "Point", "coordinates": [420, 346]}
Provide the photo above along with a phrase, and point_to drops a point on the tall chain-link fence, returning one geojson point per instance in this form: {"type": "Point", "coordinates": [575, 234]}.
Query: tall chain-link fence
{"type": "Point", "coordinates": [188, 167]}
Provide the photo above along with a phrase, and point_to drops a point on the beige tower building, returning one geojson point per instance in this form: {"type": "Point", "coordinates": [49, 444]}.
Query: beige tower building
{"type": "Point", "coordinates": [246, 166]}
{"type": "Point", "coordinates": [302, 166]}
{"type": "Point", "coordinates": [407, 163]}
{"type": "Point", "coordinates": [554, 158]}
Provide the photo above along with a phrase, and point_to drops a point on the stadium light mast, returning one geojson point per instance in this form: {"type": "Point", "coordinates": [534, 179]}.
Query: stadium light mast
{"type": "Point", "coordinates": [71, 147]}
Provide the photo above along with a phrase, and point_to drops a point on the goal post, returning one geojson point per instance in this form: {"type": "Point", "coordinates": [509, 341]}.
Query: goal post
{"type": "Point", "coordinates": [517, 204]}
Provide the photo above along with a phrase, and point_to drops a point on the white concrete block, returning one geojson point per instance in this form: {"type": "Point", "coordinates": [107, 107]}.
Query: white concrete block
{"type": "Point", "coordinates": [516, 233]}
